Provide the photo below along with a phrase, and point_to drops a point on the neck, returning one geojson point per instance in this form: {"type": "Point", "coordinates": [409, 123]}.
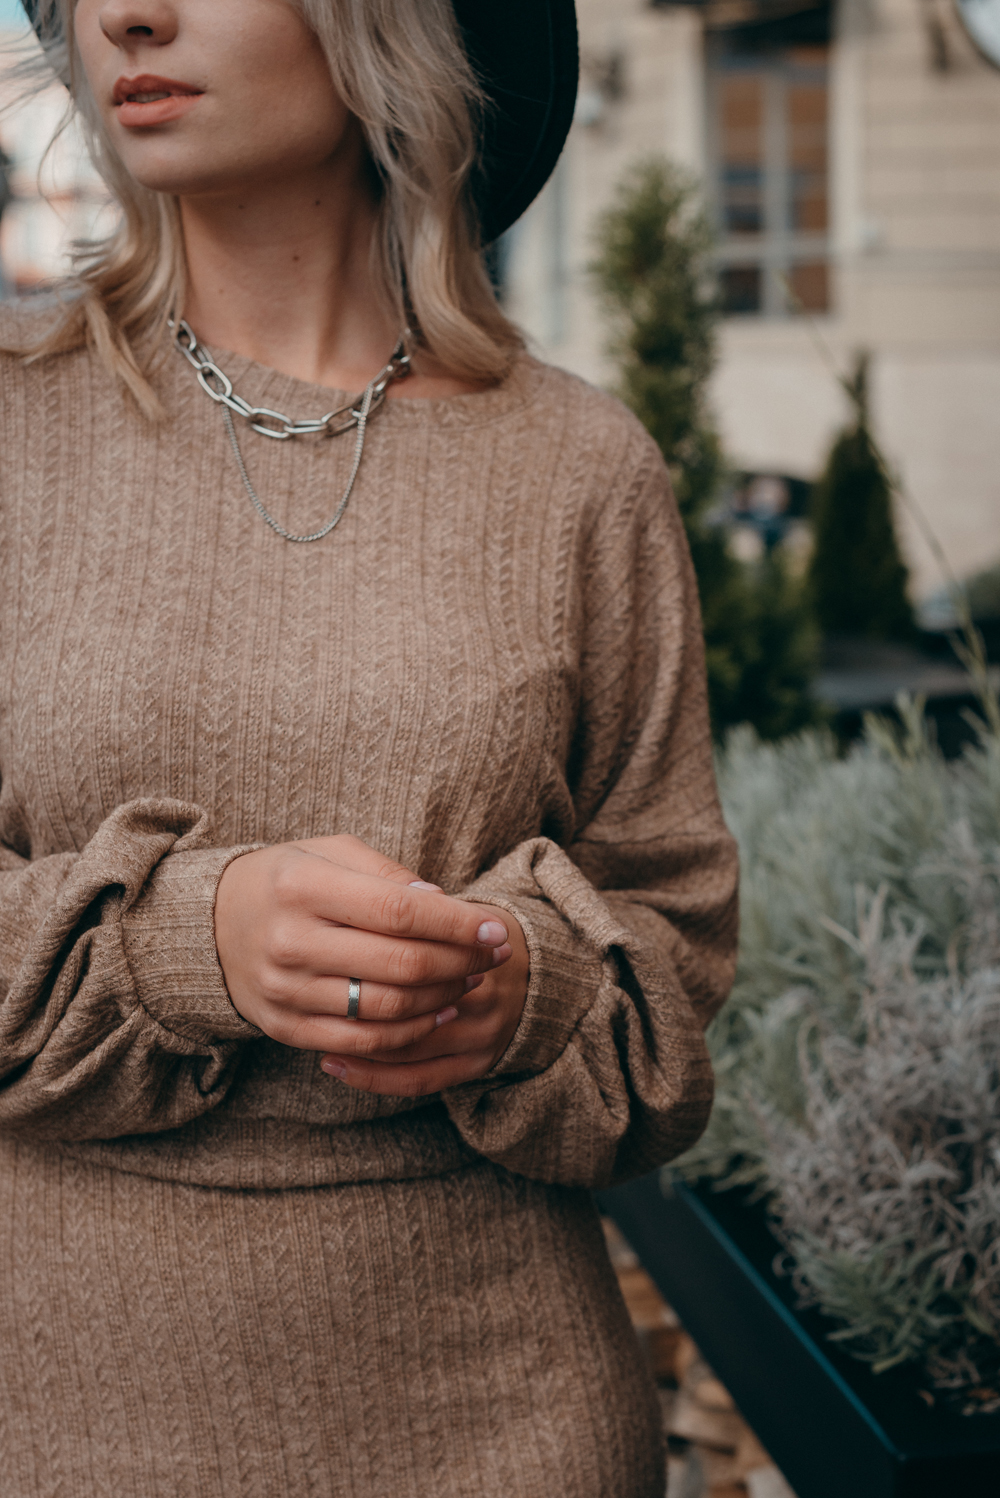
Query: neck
{"type": "Point", "coordinates": [280, 272]}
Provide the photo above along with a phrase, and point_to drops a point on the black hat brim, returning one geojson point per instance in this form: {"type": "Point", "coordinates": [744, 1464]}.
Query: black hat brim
{"type": "Point", "coordinates": [526, 55]}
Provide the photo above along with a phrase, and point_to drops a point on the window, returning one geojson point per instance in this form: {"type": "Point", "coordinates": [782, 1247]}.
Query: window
{"type": "Point", "coordinates": [768, 143]}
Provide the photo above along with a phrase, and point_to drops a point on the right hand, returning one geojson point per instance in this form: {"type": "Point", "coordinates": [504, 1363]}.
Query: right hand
{"type": "Point", "coordinates": [293, 922]}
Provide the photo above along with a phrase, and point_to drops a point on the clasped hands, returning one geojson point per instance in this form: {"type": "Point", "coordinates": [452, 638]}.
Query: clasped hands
{"type": "Point", "coordinates": [443, 981]}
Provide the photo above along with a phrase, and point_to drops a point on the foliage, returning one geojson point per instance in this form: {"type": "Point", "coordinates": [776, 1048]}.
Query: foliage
{"type": "Point", "coordinates": [889, 1192]}
{"type": "Point", "coordinates": [651, 270]}
{"type": "Point", "coordinates": [857, 575]}
{"type": "Point", "coordinates": [760, 641]}
{"type": "Point", "coordinates": [983, 593]}
{"type": "Point", "coordinates": [858, 1060]}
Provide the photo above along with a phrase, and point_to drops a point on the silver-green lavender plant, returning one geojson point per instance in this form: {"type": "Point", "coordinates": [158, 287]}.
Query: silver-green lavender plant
{"type": "Point", "coordinates": [858, 1061]}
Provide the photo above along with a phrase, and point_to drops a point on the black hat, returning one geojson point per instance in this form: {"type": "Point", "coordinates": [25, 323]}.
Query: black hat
{"type": "Point", "coordinates": [525, 53]}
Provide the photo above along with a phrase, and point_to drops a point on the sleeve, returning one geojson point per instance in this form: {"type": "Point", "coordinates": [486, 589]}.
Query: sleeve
{"type": "Point", "coordinates": [114, 1016]}
{"type": "Point", "coordinates": [631, 926]}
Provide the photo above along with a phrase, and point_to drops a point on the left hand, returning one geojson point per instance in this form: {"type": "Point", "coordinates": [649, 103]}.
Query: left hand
{"type": "Point", "coordinates": [461, 1048]}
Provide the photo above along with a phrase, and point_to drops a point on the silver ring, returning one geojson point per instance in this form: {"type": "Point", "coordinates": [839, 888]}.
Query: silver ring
{"type": "Point", "coordinates": [353, 997]}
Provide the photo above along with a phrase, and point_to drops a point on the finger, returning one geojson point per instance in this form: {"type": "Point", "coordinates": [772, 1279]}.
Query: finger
{"type": "Point", "coordinates": [330, 1032]}
{"type": "Point", "coordinates": [417, 1080]}
{"type": "Point", "coordinates": [383, 1004]}
{"type": "Point", "coordinates": [370, 903]}
{"type": "Point", "coordinates": [348, 1037]}
{"type": "Point", "coordinates": [375, 958]}
{"type": "Point", "coordinates": [380, 1003]}
{"type": "Point", "coordinates": [465, 1035]}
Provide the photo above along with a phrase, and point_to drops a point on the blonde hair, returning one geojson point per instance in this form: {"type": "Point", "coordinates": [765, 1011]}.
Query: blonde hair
{"type": "Point", "coordinates": [400, 67]}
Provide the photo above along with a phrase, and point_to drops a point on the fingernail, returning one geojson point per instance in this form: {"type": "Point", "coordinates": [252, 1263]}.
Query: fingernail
{"type": "Point", "coordinates": [491, 934]}
{"type": "Point", "coordinates": [444, 1015]}
{"type": "Point", "coordinates": [435, 889]}
{"type": "Point", "coordinates": [502, 953]}
{"type": "Point", "coordinates": [334, 1069]}
{"type": "Point", "coordinates": [474, 981]}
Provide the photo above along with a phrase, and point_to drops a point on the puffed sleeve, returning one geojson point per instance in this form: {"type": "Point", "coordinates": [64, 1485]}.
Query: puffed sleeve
{"type": "Point", "coordinates": [95, 949]}
{"type": "Point", "coordinates": [631, 926]}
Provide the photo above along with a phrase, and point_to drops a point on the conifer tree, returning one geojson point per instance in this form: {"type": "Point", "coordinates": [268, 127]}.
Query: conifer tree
{"type": "Point", "coordinates": [857, 575]}
{"type": "Point", "coordinates": [652, 272]}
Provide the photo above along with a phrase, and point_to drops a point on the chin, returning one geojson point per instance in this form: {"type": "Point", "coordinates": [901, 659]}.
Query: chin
{"type": "Point", "coordinates": [182, 170]}
{"type": "Point", "coordinates": [169, 173]}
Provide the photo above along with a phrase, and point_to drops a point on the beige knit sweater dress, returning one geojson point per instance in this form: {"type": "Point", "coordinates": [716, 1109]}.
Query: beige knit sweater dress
{"type": "Point", "coordinates": [222, 1273]}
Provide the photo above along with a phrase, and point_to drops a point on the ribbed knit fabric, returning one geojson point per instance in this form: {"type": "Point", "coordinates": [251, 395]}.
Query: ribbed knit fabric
{"type": "Point", "coordinates": [223, 1272]}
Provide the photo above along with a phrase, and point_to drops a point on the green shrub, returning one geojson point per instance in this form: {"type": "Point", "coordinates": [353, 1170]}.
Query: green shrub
{"type": "Point", "coordinates": [858, 1060]}
{"type": "Point", "coordinates": [983, 593]}
{"type": "Point", "coordinates": [760, 638]}
{"type": "Point", "coordinates": [857, 575]}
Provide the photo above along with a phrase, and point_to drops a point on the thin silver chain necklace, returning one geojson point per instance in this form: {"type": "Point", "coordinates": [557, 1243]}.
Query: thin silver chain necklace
{"type": "Point", "coordinates": [217, 384]}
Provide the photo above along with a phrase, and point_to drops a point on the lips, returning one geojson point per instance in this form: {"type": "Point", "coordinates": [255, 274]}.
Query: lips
{"type": "Point", "coordinates": [151, 100]}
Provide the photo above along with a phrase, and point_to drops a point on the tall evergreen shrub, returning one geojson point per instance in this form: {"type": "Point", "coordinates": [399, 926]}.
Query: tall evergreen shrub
{"type": "Point", "coordinates": [651, 269]}
{"type": "Point", "coordinates": [857, 575]}
{"type": "Point", "coordinates": [983, 593]}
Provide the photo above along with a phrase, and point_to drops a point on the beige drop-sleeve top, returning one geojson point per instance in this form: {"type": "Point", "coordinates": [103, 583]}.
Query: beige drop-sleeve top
{"type": "Point", "coordinates": [491, 670]}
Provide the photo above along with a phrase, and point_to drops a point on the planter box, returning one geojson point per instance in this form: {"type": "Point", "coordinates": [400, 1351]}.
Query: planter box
{"type": "Point", "coordinates": [834, 1428]}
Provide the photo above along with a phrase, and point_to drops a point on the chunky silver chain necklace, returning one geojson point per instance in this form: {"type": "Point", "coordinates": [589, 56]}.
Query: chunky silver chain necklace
{"type": "Point", "coordinates": [217, 384]}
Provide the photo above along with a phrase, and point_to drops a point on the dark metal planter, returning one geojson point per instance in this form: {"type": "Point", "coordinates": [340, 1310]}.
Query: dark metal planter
{"type": "Point", "coordinates": [834, 1428]}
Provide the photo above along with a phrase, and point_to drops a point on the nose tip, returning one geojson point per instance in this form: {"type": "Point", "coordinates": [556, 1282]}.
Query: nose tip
{"type": "Point", "coordinates": [134, 22]}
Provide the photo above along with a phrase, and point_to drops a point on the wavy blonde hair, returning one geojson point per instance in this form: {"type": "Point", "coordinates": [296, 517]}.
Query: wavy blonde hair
{"type": "Point", "coordinates": [401, 68]}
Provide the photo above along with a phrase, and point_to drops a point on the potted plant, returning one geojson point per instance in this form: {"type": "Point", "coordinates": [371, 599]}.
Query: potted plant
{"type": "Point", "coordinates": [833, 1242]}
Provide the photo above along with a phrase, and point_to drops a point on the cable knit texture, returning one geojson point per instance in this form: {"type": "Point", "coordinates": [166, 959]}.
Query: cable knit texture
{"type": "Point", "coordinates": [223, 1272]}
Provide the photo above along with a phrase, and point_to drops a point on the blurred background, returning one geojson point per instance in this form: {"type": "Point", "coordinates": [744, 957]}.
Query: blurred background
{"type": "Point", "coordinates": [847, 160]}
{"type": "Point", "coordinates": [848, 153]}
{"type": "Point", "coordinates": [46, 201]}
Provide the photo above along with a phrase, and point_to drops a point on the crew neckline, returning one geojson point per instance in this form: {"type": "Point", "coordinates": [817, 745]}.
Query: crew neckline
{"type": "Point", "coordinates": [269, 387]}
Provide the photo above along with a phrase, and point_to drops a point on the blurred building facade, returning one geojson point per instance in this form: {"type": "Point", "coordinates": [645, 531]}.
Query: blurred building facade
{"type": "Point", "coordinates": [850, 159]}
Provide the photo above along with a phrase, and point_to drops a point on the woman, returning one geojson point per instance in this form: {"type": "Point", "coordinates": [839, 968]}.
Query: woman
{"type": "Point", "coordinates": [364, 889]}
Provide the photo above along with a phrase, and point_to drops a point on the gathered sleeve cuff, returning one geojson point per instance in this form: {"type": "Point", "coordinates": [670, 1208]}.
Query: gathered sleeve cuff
{"type": "Point", "coordinates": [168, 937]}
{"type": "Point", "coordinates": [607, 1074]}
{"type": "Point", "coordinates": [114, 1015]}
